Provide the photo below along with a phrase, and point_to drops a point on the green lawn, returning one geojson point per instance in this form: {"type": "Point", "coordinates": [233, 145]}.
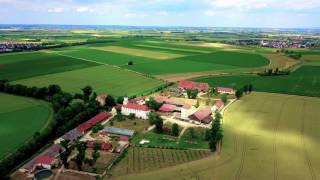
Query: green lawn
{"type": "Point", "coordinates": [103, 78]}
{"type": "Point", "coordinates": [162, 140]}
{"type": "Point", "coordinates": [24, 65]}
{"type": "Point", "coordinates": [20, 118]}
{"type": "Point", "coordinates": [304, 81]}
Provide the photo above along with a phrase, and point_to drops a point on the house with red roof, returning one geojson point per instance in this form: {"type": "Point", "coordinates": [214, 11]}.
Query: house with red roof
{"type": "Point", "coordinates": [193, 85]}
{"type": "Point", "coordinates": [84, 127]}
{"type": "Point", "coordinates": [224, 90]}
{"type": "Point", "coordinates": [140, 111]}
{"type": "Point", "coordinates": [167, 108]}
{"type": "Point", "coordinates": [45, 162]}
{"type": "Point", "coordinates": [203, 115]}
{"type": "Point", "coordinates": [219, 104]}
{"type": "Point", "coordinates": [105, 146]}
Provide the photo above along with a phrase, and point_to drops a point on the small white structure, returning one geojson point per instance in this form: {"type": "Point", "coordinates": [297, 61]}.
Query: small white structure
{"type": "Point", "coordinates": [144, 141]}
{"type": "Point", "coordinates": [140, 111]}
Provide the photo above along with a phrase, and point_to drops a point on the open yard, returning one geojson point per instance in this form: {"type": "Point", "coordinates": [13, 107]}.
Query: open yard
{"type": "Point", "coordinates": [266, 136]}
{"type": "Point", "coordinates": [304, 81]}
{"type": "Point", "coordinates": [24, 65]}
{"type": "Point", "coordinates": [141, 159]}
{"type": "Point", "coordinates": [20, 118]}
{"type": "Point", "coordinates": [103, 79]}
{"type": "Point", "coordinates": [138, 125]}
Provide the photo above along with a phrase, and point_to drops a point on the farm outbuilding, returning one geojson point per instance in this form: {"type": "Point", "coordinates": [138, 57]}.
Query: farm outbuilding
{"type": "Point", "coordinates": [119, 131]}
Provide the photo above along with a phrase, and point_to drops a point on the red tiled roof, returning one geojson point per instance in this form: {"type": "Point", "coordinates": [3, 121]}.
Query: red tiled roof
{"type": "Point", "coordinates": [106, 146]}
{"type": "Point", "coordinates": [93, 121]}
{"type": "Point", "coordinates": [193, 85]}
{"type": "Point", "coordinates": [103, 133]}
{"type": "Point", "coordinates": [48, 160]}
{"type": "Point", "coordinates": [224, 89]}
{"type": "Point", "coordinates": [202, 115]}
{"type": "Point", "coordinates": [130, 105]}
{"type": "Point", "coordinates": [167, 108]}
{"type": "Point", "coordinates": [219, 104]}
{"type": "Point", "coordinates": [124, 138]}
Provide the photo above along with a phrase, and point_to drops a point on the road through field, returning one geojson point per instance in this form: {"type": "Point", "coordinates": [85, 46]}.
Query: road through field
{"type": "Point", "coordinates": [266, 136]}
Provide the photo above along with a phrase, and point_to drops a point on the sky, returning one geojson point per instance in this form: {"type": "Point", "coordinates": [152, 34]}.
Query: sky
{"type": "Point", "coordinates": [195, 13]}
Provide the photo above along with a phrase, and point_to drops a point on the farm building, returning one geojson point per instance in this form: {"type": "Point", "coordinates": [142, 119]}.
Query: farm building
{"type": "Point", "coordinates": [202, 115]}
{"type": "Point", "coordinates": [71, 136]}
{"type": "Point", "coordinates": [138, 100]}
{"type": "Point", "coordinates": [217, 106]}
{"type": "Point", "coordinates": [45, 160]}
{"type": "Point", "coordinates": [167, 108]}
{"type": "Point", "coordinates": [119, 131]}
{"type": "Point", "coordinates": [186, 111]}
{"type": "Point", "coordinates": [140, 111]}
{"type": "Point", "coordinates": [93, 121]}
{"type": "Point", "coordinates": [193, 85]}
{"type": "Point", "coordinates": [105, 146]}
{"type": "Point", "coordinates": [102, 99]}
{"type": "Point", "coordinates": [179, 102]}
{"type": "Point", "coordinates": [224, 90]}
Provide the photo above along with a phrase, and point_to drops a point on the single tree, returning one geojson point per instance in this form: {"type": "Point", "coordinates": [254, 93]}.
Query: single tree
{"type": "Point", "coordinates": [224, 98]}
{"type": "Point", "coordinates": [239, 93]}
{"type": "Point", "coordinates": [175, 129]}
{"type": "Point", "coordinates": [86, 93]}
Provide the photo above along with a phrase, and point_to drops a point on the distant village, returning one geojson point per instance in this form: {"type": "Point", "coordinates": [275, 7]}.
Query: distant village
{"type": "Point", "coordinates": [6, 47]}
{"type": "Point", "coordinates": [177, 105]}
{"type": "Point", "coordinates": [285, 42]}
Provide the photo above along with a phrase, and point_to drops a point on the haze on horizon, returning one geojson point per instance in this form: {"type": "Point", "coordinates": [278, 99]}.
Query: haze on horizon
{"type": "Point", "coordinates": [213, 13]}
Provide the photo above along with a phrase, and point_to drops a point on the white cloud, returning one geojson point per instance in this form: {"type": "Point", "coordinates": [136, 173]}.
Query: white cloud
{"type": "Point", "coordinates": [56, 10]}
{"type": "Point", "coordinates": [84, 9]}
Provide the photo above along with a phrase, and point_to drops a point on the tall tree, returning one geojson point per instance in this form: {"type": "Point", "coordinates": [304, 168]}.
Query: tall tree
{"type": "Point", "coordinates": [86, 93]}
{"type": "Point", "coordinates": [239, 93]}
{"type": "Point", "coordinates": [175, 129]}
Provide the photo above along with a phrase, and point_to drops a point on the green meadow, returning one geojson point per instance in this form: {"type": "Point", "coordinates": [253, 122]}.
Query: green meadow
{"type": "Point", "coordinates": [20, 118]}
{"type": "Point", "coordinates": [103, 79]}
{"type": "Point", "coordinates": [24, 65]}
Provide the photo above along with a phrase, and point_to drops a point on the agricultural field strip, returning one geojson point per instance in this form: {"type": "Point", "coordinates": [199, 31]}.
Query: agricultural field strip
{"type": "Point", "coordinates": [172, 48]}
{"type": "Point", "coordinates": [140, 52]}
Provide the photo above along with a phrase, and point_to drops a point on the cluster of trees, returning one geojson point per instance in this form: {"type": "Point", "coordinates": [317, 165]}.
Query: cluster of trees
{"type": "Point", "coordinates": [153, 104]}
{"type": "Point", "coordinates": [247, 89]}
{"type": "Point", "coordinates": [155, 119]}
{"type": "Point", "coordinates": [274, 72]}
{"type": "Point", "coordinates": [69, 111]}
{"type": "Point", "coordinates": [192, 93]}
{"type": "Point", "coordinates": [215, 134]}
{"type": "Point", "coordinates": [292, 54]}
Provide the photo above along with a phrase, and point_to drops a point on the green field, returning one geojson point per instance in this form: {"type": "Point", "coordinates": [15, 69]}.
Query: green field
{"type": "Point", "coordinates": [161, 57]}
{"type": "Point", "coordinates": [20, 118]}
{"type": "Point", "coordinates": [166, 141]}
{"type": "Point", "coordinates": [103, 79]}
{"type": "Point", "coordinates": [266, 136]}
{"type": "Point", "coordinates": [304, 81]}
{"type": "Point", "coordinates": [24, 65]}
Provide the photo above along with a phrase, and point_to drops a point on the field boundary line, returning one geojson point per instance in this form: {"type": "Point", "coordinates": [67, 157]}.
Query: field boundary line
{"type": "Point", "coordinates": [305, 152]}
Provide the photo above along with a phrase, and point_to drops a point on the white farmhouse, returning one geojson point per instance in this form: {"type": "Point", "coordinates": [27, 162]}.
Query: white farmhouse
{"type": "Point", "coordinates": [140, 111]}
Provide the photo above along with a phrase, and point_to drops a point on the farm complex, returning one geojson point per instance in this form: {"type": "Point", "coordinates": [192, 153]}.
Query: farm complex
{"type": "Point", "coordinates": [159, 104]}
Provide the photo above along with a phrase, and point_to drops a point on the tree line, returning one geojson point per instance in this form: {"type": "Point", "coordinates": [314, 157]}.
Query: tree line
{"type": "Point", "coordinates": [70, 110]}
